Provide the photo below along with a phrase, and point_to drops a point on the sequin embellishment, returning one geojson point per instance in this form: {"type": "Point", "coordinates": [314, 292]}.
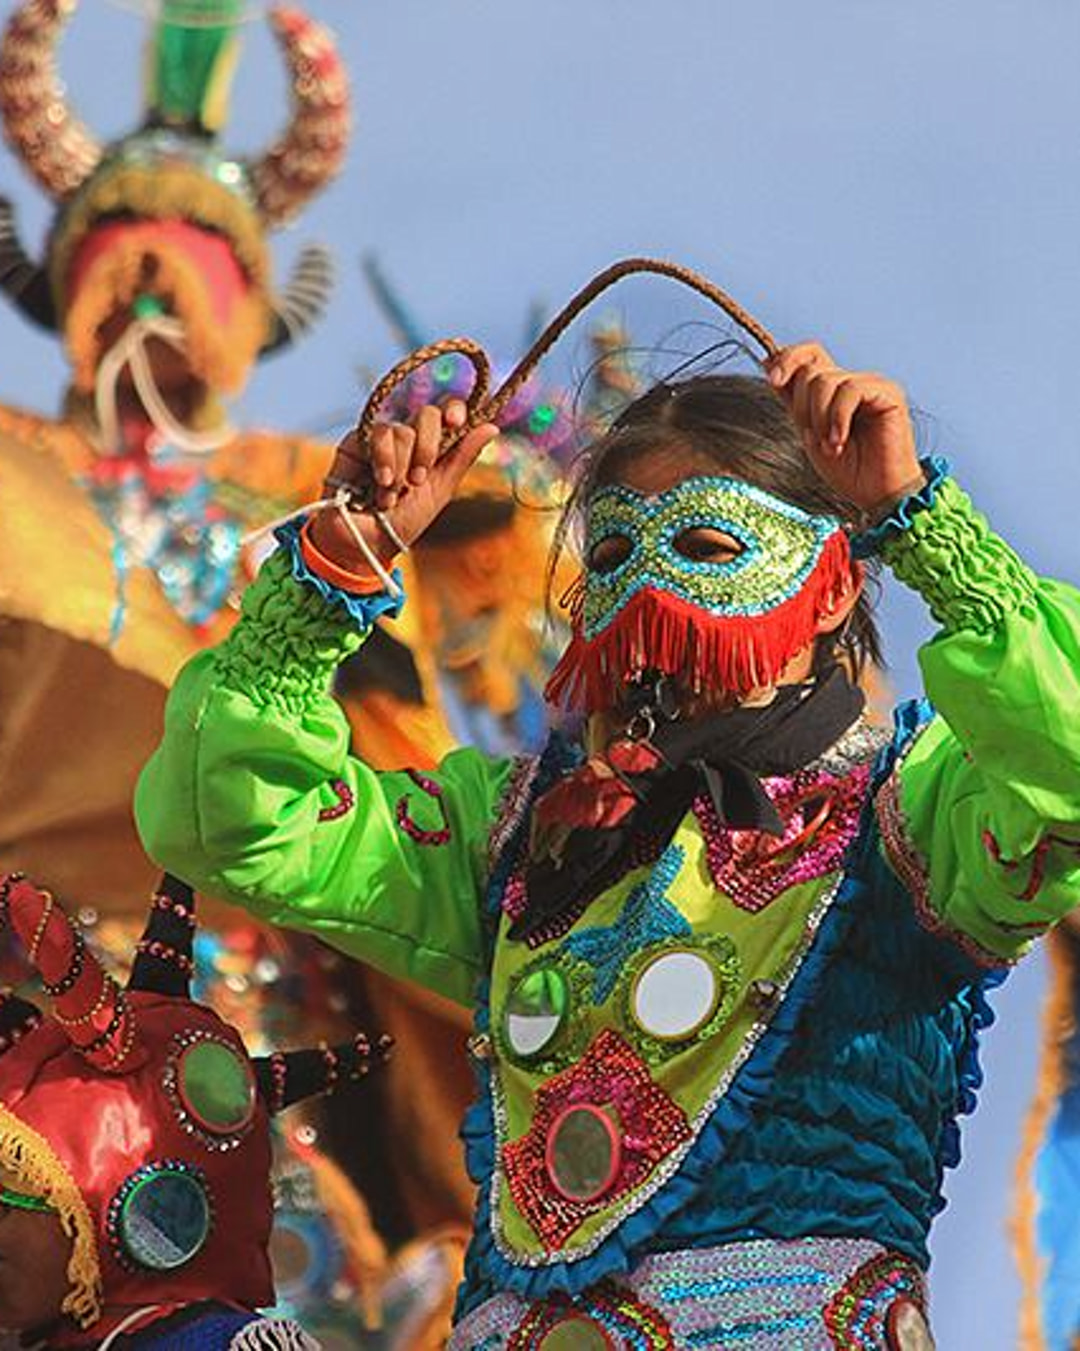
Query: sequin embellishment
{"type": "Point", "coordinates": [606, 1316]}
{"type": "Point", "coordinates": [781, 547]}
{"type": "Point", "coordinates": [821, 818]}
{"type": "Point", "coordinates": [646, 917]}
{"type": "Point", "coordinates": [763, 1295]}
{"type": "Point", "coordinates": [612, 1078]}
{"type": "Point", "coordinates": [419, 834]}
{"type": "Point", "coordinates": [346, 801]}
{"type": "Point", "coordinates": [858, 1315]}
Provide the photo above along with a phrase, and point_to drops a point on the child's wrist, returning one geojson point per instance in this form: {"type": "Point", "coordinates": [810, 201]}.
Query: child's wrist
{"type": "Point", "coordinates": [885, 506]}
{"type": "Point", "coordinates": [337, 561]}
{"type": "Point", "coordinates": [332, 536]}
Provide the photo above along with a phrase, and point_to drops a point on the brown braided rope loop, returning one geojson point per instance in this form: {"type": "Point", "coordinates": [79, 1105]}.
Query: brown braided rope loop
{"type": "Point", "coordinates": [482, 406]}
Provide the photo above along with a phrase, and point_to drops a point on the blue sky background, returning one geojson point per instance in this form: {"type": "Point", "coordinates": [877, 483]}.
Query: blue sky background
{"type": "Point", "coordinates": [901, 180]}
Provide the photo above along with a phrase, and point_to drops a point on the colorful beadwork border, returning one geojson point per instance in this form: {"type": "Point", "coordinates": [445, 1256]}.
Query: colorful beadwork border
{"type": "Point", "coordinates": [215, 1143]}
{"type": "Point", "coordinates": [154, 1168]}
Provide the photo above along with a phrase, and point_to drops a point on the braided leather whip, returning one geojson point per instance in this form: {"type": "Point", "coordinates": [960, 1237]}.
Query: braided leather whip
{"type": "Point", "coordinates": [483, 406]}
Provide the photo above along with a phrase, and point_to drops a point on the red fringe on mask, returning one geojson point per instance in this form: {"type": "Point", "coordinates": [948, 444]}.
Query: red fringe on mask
{"type": "Point", "coordinates": [657, 631]}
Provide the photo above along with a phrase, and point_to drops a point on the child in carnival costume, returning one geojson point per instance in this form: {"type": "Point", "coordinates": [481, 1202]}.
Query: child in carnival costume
{"type": "Point", "coordinates": [135, 1200]}
{"type": "Point", "coordinates": [728, 949]}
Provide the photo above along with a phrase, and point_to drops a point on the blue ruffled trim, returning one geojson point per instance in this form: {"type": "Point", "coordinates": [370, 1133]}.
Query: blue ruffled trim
{"type": "Point", "coordinates": [749, 1089]}
{"type": "Point", "coordinates": [865, 543]}
{"type": "Point", "coordinates": [980, 1016]}
{"type": "Point", "coordinates": [365, 610]}
{"type": "Point", "coordinates": [910, 718]}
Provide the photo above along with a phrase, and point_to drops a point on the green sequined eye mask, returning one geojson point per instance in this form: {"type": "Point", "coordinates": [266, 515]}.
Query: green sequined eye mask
{"type": "Point", "coordinates": [780, 547]}
{"type": "Point", "coordinates": [735, 623]}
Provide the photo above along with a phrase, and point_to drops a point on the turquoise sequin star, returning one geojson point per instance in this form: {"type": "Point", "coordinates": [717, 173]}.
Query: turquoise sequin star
{"type": "Point", "coordinates": [646, 917]}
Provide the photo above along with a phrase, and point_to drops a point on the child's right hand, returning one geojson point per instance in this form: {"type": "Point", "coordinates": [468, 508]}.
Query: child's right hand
{"type": "Point", "coordinates": [404, 473]}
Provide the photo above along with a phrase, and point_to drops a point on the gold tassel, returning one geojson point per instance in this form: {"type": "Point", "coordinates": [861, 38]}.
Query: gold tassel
{"type": "Point", "coordinates": [31, 1159]}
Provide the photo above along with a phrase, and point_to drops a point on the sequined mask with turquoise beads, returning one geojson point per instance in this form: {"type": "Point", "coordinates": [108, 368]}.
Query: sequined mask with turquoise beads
{"type": "Point", "coordinates": [732, 625]}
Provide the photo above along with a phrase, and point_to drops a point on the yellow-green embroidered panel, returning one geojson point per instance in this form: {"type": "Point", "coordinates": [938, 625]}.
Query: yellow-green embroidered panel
{"type": "Point", "coordinates": [614, 1044]}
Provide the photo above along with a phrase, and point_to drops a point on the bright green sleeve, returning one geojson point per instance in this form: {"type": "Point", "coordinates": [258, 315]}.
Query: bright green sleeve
{"type": "Point", "coordinates": [982, 816]}
{"type": "Point", "coordinates": [253, 798]}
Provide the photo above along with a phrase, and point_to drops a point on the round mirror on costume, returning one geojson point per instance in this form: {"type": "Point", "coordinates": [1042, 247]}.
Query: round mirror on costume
{"type": "Point", "coordinates": [536, 1011]}
{"type": "Point", "coordinates": [161, 1217]}
{"type": "Point", "coordinates": [675, 994]}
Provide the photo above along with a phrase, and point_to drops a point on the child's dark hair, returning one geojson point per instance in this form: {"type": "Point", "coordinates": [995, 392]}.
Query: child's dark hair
{"type": "Point", "coordinates": [740, 425]}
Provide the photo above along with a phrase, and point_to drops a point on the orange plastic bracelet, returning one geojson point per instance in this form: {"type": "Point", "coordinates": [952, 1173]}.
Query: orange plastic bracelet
{"type": "Point", "coordinates": [359, 583]}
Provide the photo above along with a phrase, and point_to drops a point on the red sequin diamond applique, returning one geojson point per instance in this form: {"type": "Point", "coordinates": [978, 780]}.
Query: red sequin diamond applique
{"type": "Point", "coordinates": [648, 1126]}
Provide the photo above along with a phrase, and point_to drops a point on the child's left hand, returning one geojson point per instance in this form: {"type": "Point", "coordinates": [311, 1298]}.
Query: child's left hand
{"type": "Point", "coordinates": [856, 427]}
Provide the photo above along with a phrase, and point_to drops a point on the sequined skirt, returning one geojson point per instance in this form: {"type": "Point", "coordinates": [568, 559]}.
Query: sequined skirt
{"type": "Point", "coordinates": [807, 1295]}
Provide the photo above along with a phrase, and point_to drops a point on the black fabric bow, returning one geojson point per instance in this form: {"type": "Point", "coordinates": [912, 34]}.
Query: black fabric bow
{"type": "Point", "coordinates": [725, 755]}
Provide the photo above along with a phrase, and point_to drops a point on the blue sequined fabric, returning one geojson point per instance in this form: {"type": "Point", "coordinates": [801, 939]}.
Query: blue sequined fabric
{"type": "Point", "coordinates": [813, 1294]}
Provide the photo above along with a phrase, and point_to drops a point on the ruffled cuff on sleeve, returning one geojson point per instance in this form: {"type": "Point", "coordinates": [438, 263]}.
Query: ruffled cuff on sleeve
{"type": "Point", "coordinates": [899, 518]}
{"type": "Point", "coordinates": [290, 639]}
{"type": "Point", "coordinates": [940, 546]}
{"type": "Point", "coordinates": [364, 610]}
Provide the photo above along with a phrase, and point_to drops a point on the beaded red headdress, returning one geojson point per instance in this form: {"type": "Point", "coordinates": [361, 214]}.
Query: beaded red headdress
{"type": "Point", "coordinates": [137, 1115]}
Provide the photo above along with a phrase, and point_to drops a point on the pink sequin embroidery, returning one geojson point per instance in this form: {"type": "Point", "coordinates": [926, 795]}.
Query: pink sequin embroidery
{"type": "Point", "coordinates": [609, 1075]}
{"type": "Point", "coordinates": [821, 818]}
{"type": "Point", "coordinates": [416, 832]}
{"type": "Point", "coordinates": [346, 801]}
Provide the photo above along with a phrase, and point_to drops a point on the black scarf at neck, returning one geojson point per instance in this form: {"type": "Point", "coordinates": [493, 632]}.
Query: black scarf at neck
{"type": "Point", "coordinates": [724, 755]}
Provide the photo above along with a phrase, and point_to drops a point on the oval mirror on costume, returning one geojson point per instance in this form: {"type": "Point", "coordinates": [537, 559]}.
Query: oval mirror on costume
{"type": "Point", "coordinates": [216, 1086]}
{"type": "Point", "coordinates": [583, 1152]}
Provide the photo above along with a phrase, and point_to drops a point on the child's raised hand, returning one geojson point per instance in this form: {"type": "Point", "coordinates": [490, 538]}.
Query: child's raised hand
{"type": "Point", "coordinates": [405, 474]}
{"type": "Point", "coordinates": [856, 427]}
